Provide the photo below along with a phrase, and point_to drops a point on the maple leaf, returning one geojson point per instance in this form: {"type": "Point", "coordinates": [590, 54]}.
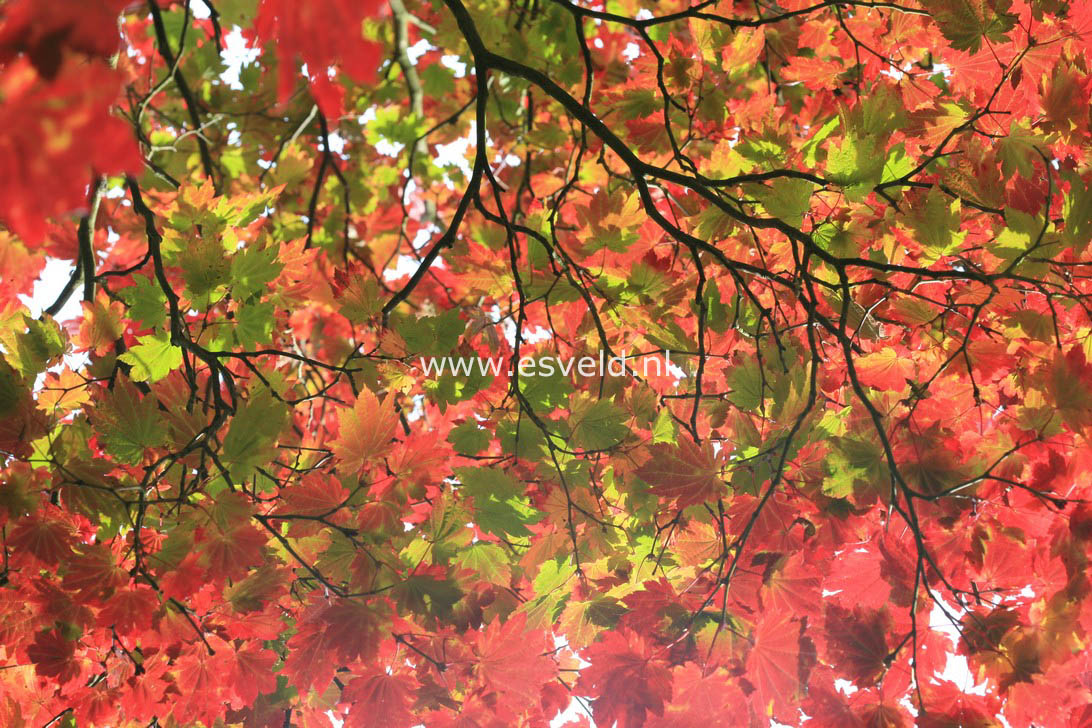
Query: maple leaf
{"type": "Point", "coordinates": [380, 700]}
{"type": "Point", "coordinates": [624, 680]}
{"type": "Point", "coordinates": [855, 577]}
{"type": "Point", "coordinates": [701, 698]}
{"type": "Point", "coordinates": [129, 610]}
{"type": "Point", "coordinates": [232, 551]}
{"type": "Point", "coordinates": [93, 573]}
{"type": "Point", "coordinates": [185, 579]}
{"type": "Point", "coordinates": [201, 676]}
{"type": "Point", "coordinates": [253, 672]}
{"type": "Point", "coordinates": [251, 439]}
{"type": "Point", "coordinates": [885, 369]}
{"type": "Point", "coordinates": [20, 421]}
{"type": "Point", "coordinates": [46, 535]}
{"type": "Point", "coordinates": [857, 642]}
{"type": "Point", "coordinates": [687, 472]}
{"type": "Point", "coordinates": [129, 422]}
{"type": "Point", "coordinates": [54, 656]}
{"type": "Point", "coordinates": [101, 324]}
{"type": "Point", "coordinates": [1069, 375]}
{"type": "Point", "coordinates": [345, 629]}
{"type": "Point", "coordinates": [153, 358]}
{"type": "Point", "coordinates": [320, 34]}
{"type": "Point", "coordinates": [366, 430]}
{"type": "Point", "coordinates": [512, 662]}
{"type": "Point", "coordinates": [967, 22]}
{"type": "Point", "coordinates": [67, 123]}
{"type": "Point", "coordinates": [308, 664]}
{"type": "Point", "coordinates": [316, 495]}
{"type": "Point", "coordinates": [772, 663]}
{"type": "Point", "coordinates": [792, 589]}
{"type": "Point", "coordinates": [88, 27]}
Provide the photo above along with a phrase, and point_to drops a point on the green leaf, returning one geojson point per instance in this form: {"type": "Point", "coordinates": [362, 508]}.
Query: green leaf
{"type": "Point", "coordinates": [500, 507]}
{"type": "Point", "coordinates": [204, 263]}
{"type": "Point", "coordinates": [438, 80]}
{"type": "Point", "coordinates": [597, 425]}
{"type": "Point", "coordinates": [128, 423]}
{"type": "Point", "coordinates": [1077, 210]}
{"type": "Point", "coordinates": [488, 482]}
{"type": "Point", "coordinates": [966, 22]}
{"type": "Point", "coordinates": [251, 439]}
{"type": "Point", "coordinates": [488, 560]}
{"type": "Point", "coordinates": [788, 199]}
{"type": "Point", "coordinates": [147, 304]}
{"type": "Point", "coordinates": [717, 312]}
{"type": "Point", "coordinates": [360, 299]}
{"type": "Point", "coordinates": [153, 358]}
{"type": "Point", "coordinates": [811, 146]}
{"type": "Point", "coordinates": [254, 324]}
{"type": "Point", "coordinates": [426, 596]}
{"type": "Point", "coordinates": [553, 575]}
{"type": "Point", "coordinates": [879, 113]}
{"type": "Point", "coordinates": [897, 165]}
{"type": "Point", "coordinates": [252, 269]}
{"type": "Point", "coordinates": [664, 428]}
{"type": "Point", "coordinates": [521, 437]}
{"type": "Point", "coordinates": [393, 124]}
{"type": "Point", "coordinates": [583, 621]}
{"type": "Point", "coordinates": [935, 222]}
{"type": "Point", "coordinates": [746, 383]}
{"type": "Point", "coordinates": [853, 161]}
{"type": "Point", "coordinates": [549, 388]}
{"type": "Point", "coordinates": [1018, 151]}
{"type": "Point", "coordinates": [32, 345]}
{"type": "Point", "coordinates": [449, 389]}
{"type": "Point", "coordinates": [469, 439]}
{"type": "Point", "coordinates": [433, 335]}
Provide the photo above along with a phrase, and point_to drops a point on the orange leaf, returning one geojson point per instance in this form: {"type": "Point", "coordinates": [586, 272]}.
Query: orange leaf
{"type": "Point", "coordinates": [366, 430]}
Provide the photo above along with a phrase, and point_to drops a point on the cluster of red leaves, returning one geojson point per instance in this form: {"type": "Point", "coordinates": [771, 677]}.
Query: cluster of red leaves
{"type": "Point", "coordinates": [326, 37]}
{"type": "Point", "coordinates": [56, 93]}
{"type": "Point", "coordinates": [862, 229]}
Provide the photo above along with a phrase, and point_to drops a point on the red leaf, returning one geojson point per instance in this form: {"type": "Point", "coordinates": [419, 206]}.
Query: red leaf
{"type": "Point", "coordinates": [45, 536]}
{"type": "Point", "coordinates": [308, 664]}
{"type": "Point", "coordinates": [129, 610]}
{"type": "Point", "coordinates": [773, 663]}
{"type": "Point", "coordinates": [792, 589]}
{"type": "Point", "coordinates": [379, 700]}
{"type": "Point", "coordinates": [857, 642]}
{"type": "Point", "coordinates": [511, 661]}
{"type": "Point", "coordinates": [624, 681]}
{"type": "Point", "coordinates": [54, 656]}
{"type": "Point", "coordinates": [94, 573]}
{"type": "Point", "coordinates": [687, 472]}
{"type": "Point", "coordinates": [339, 632]}
{"type": "Point", "coordinates": [315, 495]}
{"type": "Point", "coordinates": [321, 34]}
{"type": "Point", "coordinates": [43, 30]}
{"type": "Point", "coordinates": [886, 369]}
{"type": "Point", "coordinates": [230, 553]}
{"type": "Point", "coordinates": [253, 672]}
{"type": "Point", "coordinates": [62, 125]}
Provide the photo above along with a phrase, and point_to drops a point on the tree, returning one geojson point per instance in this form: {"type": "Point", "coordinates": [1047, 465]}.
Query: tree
{"type": "Point", "coordinates": [237, 490]}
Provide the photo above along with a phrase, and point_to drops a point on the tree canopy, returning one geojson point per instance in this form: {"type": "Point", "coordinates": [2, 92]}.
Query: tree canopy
{"type": "Point", "coordinates": [853, 236]}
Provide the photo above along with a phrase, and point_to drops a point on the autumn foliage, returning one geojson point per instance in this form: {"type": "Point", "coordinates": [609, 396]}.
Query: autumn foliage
{"type": "Point", "coordinates": [230, 494]}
